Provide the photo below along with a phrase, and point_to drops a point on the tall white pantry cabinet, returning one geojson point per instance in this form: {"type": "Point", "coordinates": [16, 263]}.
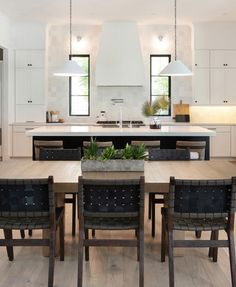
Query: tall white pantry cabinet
{"type": "Point", "coordinates": [214, 77]}
{"type": "Point", "coordinates": [30, 85]}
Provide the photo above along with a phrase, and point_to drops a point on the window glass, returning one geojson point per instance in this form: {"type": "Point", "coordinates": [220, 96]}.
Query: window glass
{"type": "Point", "coordinates": [80, 88]}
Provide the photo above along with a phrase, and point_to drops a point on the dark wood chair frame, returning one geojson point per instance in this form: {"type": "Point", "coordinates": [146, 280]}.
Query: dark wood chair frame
{"type": "Point", "coordinates": [55, 219]}
{"type": "Point", "coordinates": [85, 241]}
{"type": "Point", "coordinates": [162, 154]}
{"type": "Point", "coordinates": [63, 154]}
{"type": "Point", "coordinates": [208, 213]}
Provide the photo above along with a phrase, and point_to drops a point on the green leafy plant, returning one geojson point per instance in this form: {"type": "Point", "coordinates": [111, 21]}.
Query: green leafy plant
{"type": "Point", "coordinates": [139, 152]}
{"type": "Point", "coordinates": [109, 153]}
{"type": "Point", "coordinates": [91, 152]}
{"type": "Point", "coordinates": [133, 152]}
{"type": "Point", "coordinates": [127, 152]}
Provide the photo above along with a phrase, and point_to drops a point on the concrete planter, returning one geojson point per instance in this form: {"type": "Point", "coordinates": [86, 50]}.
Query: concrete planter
{"type": "Point", "coordinates": [112, 165]}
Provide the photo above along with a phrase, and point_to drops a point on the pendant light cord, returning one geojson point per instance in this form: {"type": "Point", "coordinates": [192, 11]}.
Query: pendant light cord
{"type": "Point", "coordinates": [175, 32]}
{"type": "Point", "coordinates": [70, 27]}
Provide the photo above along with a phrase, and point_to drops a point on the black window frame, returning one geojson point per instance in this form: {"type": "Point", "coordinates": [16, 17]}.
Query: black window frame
{"type": "Point", "coordinates": [70, 95]}
{"type": "Point", "coordinates": [169, 82]}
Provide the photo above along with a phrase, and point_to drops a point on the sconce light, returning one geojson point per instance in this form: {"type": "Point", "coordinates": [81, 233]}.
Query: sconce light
{"type": "Point", "coordinates": [160, 38]}
{"type": "Point", "coordinates": [78, 38]}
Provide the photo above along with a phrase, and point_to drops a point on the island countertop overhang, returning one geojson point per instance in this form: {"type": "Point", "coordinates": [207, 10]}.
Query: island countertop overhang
{"type": "Point", "coordinates": [165, 131]}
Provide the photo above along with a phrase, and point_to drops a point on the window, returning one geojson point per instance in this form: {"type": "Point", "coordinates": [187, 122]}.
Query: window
{"type": "Point", "coordinates": [79, 88]}
{"type": "Point", "coordinates": [160, 86]}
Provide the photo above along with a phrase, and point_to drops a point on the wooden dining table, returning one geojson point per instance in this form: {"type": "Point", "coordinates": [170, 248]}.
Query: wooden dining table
{"type": "Point", "coordinates": [157, 175]}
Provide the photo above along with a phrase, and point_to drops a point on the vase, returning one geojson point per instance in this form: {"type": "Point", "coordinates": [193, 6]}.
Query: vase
{"type": "Point", "coordinates": [154, 122]}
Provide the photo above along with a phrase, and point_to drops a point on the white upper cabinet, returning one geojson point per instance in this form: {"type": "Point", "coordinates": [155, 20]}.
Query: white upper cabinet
{"type": "Point", "coordinates": [223, 58]}
{"type": "Point", "coordinates": [29, 84]}
{"type": "Point", "coordinates": [223, 86]}
{"type": "Point", "coordinates": [201, 91]}
{"type": "Point", "coordinates": [32, 58]}
{"type": "Point", "coordinates": [202, 59]}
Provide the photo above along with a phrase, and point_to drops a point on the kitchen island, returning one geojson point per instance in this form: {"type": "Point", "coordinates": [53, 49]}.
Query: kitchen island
{"type": "Point", "coordinates": [73, 136]}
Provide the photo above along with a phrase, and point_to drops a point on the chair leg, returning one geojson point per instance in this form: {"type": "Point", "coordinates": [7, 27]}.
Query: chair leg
{"type": "Point", "coordinates": [8, 235]}
{"type": "Point", "coordinates": [86, 232]}
{"type": "Point", "coordinates": [52, 245]}
{"type": "Point", "coordinates": [171, 259]}
{"type": "Point", "coordinates": [153, 217]}
{"type": "Point", "coordinates": [74, 215]}
{"type": "Point", "coordinates": [163, 240]}
{"type": "Point", "coordinates": [62, 240]}
{"type": "Point", "coordinates": [149, 206]}
{"type": "Point", "coordinates": [22, 233]}
{"type": "Point", "coordinates": [215, 249]}
{"type": "Point", "coordinates": [232, 257]}
{"type": "Point", "coordinates": [80, 259]}
{"type": "Point", "coordinates": [210, 252]}
{"type": "Point", "coordinates": [141, 257]}
{"type": "Point", "coordinates": [198, 234]}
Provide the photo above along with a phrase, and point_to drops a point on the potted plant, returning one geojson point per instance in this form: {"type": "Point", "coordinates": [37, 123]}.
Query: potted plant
{"type": "Point", "coordinates": [131, 158]}
{"type": "Point", "coordinates": [152, 110]}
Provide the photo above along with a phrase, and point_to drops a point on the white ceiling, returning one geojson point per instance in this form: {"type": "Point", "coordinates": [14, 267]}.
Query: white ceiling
{"type": "Point", "coordinates": [140, 11]}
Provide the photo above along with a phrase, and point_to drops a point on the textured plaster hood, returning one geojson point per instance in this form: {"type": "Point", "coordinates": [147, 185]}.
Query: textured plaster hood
{"type": "Point", "coordinates": [119, 61]}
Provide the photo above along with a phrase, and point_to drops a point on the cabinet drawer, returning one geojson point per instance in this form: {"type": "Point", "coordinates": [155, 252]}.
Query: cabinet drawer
{"type": "Point", "coordinates": [22, 129]}
{"type": "Point", "coordinates": [220, 129]}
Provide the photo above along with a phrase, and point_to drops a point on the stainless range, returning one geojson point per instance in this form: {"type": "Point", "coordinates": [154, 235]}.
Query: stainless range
{"type": "Point", "coordinates": [125, 124]}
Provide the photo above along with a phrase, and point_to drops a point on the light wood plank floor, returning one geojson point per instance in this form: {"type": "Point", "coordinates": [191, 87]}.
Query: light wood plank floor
{"type": "Point", "coordinates": [114, 266]}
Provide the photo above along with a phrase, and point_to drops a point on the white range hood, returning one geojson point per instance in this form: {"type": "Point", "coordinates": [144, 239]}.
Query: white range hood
{"type": "Point", "coordinates": [119, 61]}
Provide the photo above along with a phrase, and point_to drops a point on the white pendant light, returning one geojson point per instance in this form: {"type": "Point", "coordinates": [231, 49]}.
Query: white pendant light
{"type": "Point", "coordinates": [70, 68]}
{"type": "Point", "coordinates": [175, 68]}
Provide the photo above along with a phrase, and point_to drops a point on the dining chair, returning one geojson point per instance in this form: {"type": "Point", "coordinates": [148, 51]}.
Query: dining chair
{"type": "Point", "coordinates": [29, 204]}
{"type": "Point", "coordinates": [158, 155]}
{"type": "Point", "coordinates": [58, 144]}
{"type": "Point", "coordinates": [200, 205]}
{"type": "Point", "coordinates": [63, 154]}
{"type": "Point", "coordinates": [37, 145]}
{"type": "Point", "coordinates": [111, 205]}
{"type": "Point", "coordinates": [102, 145]}
{"type": "Point", "coordinates": [197, 147]}
{"type": "Point", "coordinates": [148, 144]}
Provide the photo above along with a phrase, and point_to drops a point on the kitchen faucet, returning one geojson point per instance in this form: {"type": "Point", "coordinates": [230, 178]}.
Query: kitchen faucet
{"type": "Point", "coordinates": [120, 103]}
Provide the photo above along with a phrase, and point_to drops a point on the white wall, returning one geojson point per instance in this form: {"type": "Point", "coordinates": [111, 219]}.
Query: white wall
{"type": "Point", "coordinates": [29, 35]}
{"type": "Point", "coordinates": [58, 50]}
{"type": "Point", "coordinates": [215, 35]}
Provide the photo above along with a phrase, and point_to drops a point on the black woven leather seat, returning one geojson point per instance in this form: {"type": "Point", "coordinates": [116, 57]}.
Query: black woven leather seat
{"type": "Point", "coordinates": [200, 205]}
{"type": "Point", "coordinates": [111, 205]}
{"type": "Point", "coordinates": [29, 204]}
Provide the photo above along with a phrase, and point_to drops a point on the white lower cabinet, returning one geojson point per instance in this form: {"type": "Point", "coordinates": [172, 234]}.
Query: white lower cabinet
{"type": "Point", "coordinates": [21, 144]}
{"type": "Point", "coordinates": [233, 141]}
{"type": "Point", "coordinates": [220, 145]}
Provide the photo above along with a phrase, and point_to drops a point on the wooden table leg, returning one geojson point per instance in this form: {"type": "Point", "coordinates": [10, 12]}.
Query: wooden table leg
{"type": "Point", "coordinates": [60, 202]}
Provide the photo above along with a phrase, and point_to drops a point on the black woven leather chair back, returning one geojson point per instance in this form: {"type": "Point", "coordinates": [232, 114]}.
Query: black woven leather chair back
{"type": "Point", "coordinates": [168, 154]}
{"type": "Point", "coordinates": [202, 198]}
{"type": "Point", "coordinates": [59, 154]}
{"type": "Point", "coordinates": [26, 197]}
{"type": "Point", "coordinates": [46, 144]}
{"type": "Point", "coordinates": [111, 199]}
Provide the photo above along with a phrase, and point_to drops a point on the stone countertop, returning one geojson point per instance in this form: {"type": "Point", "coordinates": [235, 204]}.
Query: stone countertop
{"type": "Point", "coordinates": [164, 123]}
{"type": "Point", "coordinates": [63, 130]}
